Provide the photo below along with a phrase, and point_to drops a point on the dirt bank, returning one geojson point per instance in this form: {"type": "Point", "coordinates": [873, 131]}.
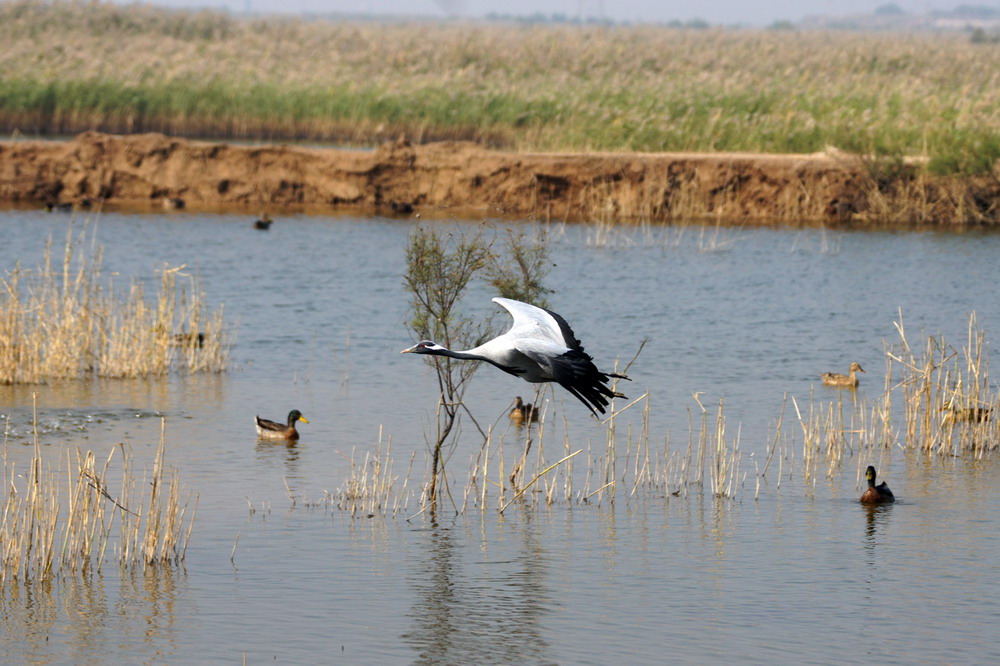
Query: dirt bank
{"type": "Point", "coordinates": [464, 179]}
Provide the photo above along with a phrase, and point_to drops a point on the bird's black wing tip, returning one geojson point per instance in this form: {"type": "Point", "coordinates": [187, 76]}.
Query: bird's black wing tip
{"type": "Point", "coordinates": [592, 405]}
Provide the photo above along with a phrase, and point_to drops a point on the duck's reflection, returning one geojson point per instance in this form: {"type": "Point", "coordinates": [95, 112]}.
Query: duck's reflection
{"type": "Point", "coordinates": [469, 605]}
{"type": "Point", "coordinates": [876, 519]}
{"type": "Point", "coordinates": [87, 620]}
{"type": "Point", "coordinates": [285, 451]}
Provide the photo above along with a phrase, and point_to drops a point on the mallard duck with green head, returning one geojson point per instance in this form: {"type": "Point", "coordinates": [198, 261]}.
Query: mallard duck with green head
{"type": "Point", "coordinates": [274, 430]}
{"type": "Point", "coordinates": [879, 494]}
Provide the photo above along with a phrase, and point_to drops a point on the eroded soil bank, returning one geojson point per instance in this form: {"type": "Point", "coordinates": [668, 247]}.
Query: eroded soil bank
{"type": "Point", "coordinates": [455, 178]}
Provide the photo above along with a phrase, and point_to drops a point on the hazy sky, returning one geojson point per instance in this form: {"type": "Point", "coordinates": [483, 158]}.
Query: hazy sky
{"type": "Point", "coordinates": [751, 12]}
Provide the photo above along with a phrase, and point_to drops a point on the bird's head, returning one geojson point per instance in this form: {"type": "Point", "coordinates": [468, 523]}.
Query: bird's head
{"type": "Point", "coordinates": [856, 367]}
{"type": "Point", "coordinates": [296, 415]}
{"type": "Point", "coordinates": [870, 475]}
{"type": "Point", "coordinates": [423, 347]}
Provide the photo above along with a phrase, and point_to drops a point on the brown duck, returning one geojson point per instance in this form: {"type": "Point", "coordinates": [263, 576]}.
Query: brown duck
{"type": "Point", "coordinates": [523, 412]}
{"type": "Point", "coordinates": [837, 379]}
{"type": "Point", "coordinates": [977, 414]}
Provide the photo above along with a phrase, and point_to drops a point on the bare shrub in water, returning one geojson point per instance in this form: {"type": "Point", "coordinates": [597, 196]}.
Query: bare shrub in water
{"type": "Point", "coordinates": [61, 323]}
{"type": "Point", "coordinates": [439, 269]}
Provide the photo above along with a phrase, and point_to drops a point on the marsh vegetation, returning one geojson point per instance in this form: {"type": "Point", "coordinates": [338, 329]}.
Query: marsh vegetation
{"type": "Point", "coordinates": [653, 517]}
{"type": "Point", "coordinates": [566, 88]}
{"type": "Point", "coordinates": [71, 515]}
{"type": "Point", "coordinates": [64, 320]}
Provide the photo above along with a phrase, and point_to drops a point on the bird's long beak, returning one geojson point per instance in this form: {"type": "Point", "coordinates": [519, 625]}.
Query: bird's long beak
{"type": "Point", "coordinates": [303, 419]}
{"type": "Point", "coordinates": [407, 350]}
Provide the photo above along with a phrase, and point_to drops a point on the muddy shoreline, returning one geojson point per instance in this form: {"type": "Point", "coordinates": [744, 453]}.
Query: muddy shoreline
{"type": "Point", "coordinates": [463, 179]}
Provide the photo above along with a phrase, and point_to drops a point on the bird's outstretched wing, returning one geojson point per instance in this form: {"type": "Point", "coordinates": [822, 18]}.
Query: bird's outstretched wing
{"type": "Point", "coordinates": [548, 340]}
{"type": "Point", "coordinates": [534, 322]}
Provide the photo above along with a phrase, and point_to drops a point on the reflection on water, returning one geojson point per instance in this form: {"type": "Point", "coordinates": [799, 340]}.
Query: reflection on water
{"type": "Point", "coordinates": [876, 519]}
{"type": "Point", "coordinates": [749, 315]}
{"type": "Point", "coordinates": [93, 615]}
{"type": "Point", "coordinates": [470, 609]}
{"type": "Point", "coordinates": [286, 453]}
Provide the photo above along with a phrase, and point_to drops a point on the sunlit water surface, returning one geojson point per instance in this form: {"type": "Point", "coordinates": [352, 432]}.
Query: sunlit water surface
{"type": "Point", "coordinates": [800, 573]}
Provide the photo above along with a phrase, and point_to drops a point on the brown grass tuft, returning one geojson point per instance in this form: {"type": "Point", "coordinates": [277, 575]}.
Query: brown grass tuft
{"type": "Point", "coordinates": [61, 323]}
{"type": "Point", "coordinates": [53, 523]}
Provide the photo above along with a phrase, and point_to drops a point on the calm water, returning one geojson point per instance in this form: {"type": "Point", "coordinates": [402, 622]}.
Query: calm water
{"type": "Point", "coordinates": [802, 573]}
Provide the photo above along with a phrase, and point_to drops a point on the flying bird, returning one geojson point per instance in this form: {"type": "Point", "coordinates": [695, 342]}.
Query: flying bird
{"type": "Point", "coordinates": [539, 347]}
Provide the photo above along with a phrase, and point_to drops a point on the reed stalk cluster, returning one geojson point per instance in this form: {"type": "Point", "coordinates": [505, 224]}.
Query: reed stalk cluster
{"type": "Point", "coordinates": [68, 67]}
{"type": "Point", "coordinates": [57, 522]}
{"type": "Point", "coordinates": [937, 399]}
{"type": "Point", "coordinates": [61, 321]}
{"type": "Point", "coordinates": [949, 406]}
{"type": "Point", "coordinates": [514, 466]}
{"type": "Point", "coordinates": [371, 487]}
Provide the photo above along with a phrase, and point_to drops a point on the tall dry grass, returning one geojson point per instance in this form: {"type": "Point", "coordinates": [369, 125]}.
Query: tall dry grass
{"type": "Point", "coordinates": [68, 67]}
{"type": "Point", "coordinates": [62, 321]}
{"type": "Point", "coordinates": [75, 519]}
{"type": "Point", "coordinates": [949, 405]}
{"type": "Point", "coordinates": [518, 467]}
{"type": "Point", "coordinates": [371, 487]}
{"type": "Point", "coordinates": [937, 400]}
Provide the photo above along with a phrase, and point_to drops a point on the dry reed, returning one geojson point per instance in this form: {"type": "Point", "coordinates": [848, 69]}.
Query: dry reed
{"type": "Point", "coordinates": [39, 539]}
{"type": "Point", "coordinates": [59, 322]}
{"type": "Point", "coordinates": [949, 406]}
{"type": "Point", "coordinates": [626, 468]}
{"type": "Point", "coordinates": [937, 400]}
{"type": "Point", "coordinates": [371, 487]}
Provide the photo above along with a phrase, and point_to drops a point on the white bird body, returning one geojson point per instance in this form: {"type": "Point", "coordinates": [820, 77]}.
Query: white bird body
{"type": "Point", "coordinates": [539, 347]}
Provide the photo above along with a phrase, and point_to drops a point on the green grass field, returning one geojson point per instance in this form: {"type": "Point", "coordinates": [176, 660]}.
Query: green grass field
{"type": "Point", "coordinates": [70, 67]}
